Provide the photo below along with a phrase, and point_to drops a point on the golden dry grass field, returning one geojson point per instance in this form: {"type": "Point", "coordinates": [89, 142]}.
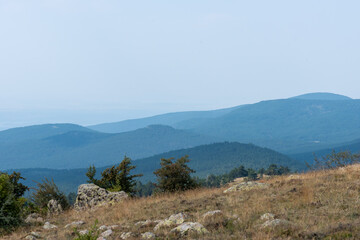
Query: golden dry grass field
{"type": "Point", "coordinates": [317, 205]}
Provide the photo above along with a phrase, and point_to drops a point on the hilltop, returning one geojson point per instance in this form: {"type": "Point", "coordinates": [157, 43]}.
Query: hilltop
{"type": "Point", "coordinates": [315, 205]}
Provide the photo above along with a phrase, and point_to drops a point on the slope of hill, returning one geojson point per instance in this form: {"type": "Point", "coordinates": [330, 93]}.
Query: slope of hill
{"type": "Point", "coordinates": [288, 125]}
{"type": "Point", "coordinates": [208, 159]}
{"type": "Point", "coordinates": [315, 205]}
{"type": "Point", "coordinates": [38, 132]}
{"type": "Point", "coordinates": [353, 146]}
{"type": "Point", "coordinates": [78, 149]}
{"type": "Point", "coordinates": [165, 119]}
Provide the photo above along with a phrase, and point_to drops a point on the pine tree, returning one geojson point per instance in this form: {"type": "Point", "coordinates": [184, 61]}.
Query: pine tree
{"type": "Point", "coordinates": [175, 175]}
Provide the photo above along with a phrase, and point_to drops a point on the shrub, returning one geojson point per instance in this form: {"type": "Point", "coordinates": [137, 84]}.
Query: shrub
{"type": "Point", "coordinates": [175, 176]}
{"type": "Point", "coordinates": [46, 191]}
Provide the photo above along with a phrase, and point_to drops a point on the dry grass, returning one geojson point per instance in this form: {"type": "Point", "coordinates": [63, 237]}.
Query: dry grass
{"type": "Point", "coordinates": [319, 205]}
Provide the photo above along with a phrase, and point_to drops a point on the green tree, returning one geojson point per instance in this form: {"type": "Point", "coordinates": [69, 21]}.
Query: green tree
{"type": "Point", "coordinates": [115, 178]}
{"type": "Point", "coordinates": [10, 204]}
{"type": "Point", "coordinates": [46, 191]}
{"type": "Point", "coordinates": [252, 175]}
{"type": "Point", "coordinates": [175, 175]}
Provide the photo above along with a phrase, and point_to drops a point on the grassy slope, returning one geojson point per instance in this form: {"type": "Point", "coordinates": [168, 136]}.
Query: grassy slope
{"type": "Point", "coordinates": [319, 205]}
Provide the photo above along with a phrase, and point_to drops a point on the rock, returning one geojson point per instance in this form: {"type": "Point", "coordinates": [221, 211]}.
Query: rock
{"type": "Point", "coordinates": [30, 237]}
{"type": "Point", "coordinates": [267, 216]}
{"type": "Point", "coordinates": [48, 226]}
{"type": "Point", "coordinates": [126, 235]}
{"type": "Point", "coordinates": [34, 218]}
{"type": "Point", "coordinates": [90, 195]}
{"type": "Point", "coordinates": [187, 227]}
{"type": "Point", "coordinates": [148, 235]}
{"type": "Point", "coordinates": [212, 214]}
{"type": "Point", "coordinates": [101, 238]}
{"type": "Point", "coordinates": [147, 223]}
{"type": "Point", "coordinates": [54, 207]}
{"type": "Point", "coordinates": [36, 234]}
{"type": "Point", "coordinates": [174, 219]}
{"type": "Point", "coordinates": [276, 223]}
{"type": "Point", "coordinates": [103, 227]}
{"type": "Point", "coordinates": [107, 233]}
{"type": "Point", "coordinates": [84, 232]}
{"type": "Point", "coordinates": [74, 224]}
{"type": "Point", "coordinates": [246, 186]}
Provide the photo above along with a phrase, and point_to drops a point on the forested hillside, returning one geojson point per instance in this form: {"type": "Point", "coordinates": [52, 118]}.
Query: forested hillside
{"type": "Point", "coordinates": [208, 159]}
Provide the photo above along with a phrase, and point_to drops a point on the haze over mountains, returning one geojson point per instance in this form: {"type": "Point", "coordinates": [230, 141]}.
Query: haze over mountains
{"type": "Point", "coordinates": [302, 124]}
{"type": "Point", "coordinates": [217, 158]}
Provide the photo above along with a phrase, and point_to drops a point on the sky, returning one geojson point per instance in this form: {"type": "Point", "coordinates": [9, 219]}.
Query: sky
{"type": "Point", "coordinates": [93, 61]}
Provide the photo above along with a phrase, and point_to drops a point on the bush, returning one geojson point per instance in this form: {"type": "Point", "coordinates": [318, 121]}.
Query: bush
{"type": "Point", "coordinates": [175, 176]}
{"type": "Point", "coordinates": [115, 178]}
{"type": "Point", "coordinates": [10, 203]}
{"type": "Point", "coordinates": [46, 191]}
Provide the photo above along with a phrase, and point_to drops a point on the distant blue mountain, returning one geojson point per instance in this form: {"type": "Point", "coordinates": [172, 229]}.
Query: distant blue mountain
{"type": "Point", "coordinates": [207, 159]}
{"type": "Point", "coordinates": [170, 119]}
{"type": "Point", "coordinates": [76, 149]}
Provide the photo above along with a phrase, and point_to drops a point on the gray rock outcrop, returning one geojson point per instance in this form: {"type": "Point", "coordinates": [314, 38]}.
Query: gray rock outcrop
{"type": "Point", "coordinates": [54, 207]}
{"type": "Point", "coordinates": [90, 195]}
{"type": "Point", "coordinates": [246, 186]}
{"type": "Point", "coordinates": [34, 218]}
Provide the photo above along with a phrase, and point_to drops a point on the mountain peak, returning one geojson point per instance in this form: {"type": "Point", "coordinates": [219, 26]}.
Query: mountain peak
{"type": "Point", "coordinates": [322, 96]}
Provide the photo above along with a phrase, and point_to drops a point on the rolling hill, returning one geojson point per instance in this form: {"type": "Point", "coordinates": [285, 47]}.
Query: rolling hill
{"type": "Point", "coordinates": [36, 132]}
{"type": "Point", "coordinates": [76, 149]}
{"type": "Point", "coordinates": [303, 123]}
{"type": "Point", "coordinates": [207, 159]}
{"type": "Point", "coordinates": [169, 119]}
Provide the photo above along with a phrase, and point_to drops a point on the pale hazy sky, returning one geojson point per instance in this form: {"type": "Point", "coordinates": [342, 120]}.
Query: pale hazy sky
{"type": "Point", "coordinates": [88, 61]}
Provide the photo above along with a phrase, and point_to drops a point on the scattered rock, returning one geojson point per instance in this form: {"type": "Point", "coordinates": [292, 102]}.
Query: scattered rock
{"type": "Point", "coordinates": [54, 207]}
{"type": "Point", "coordinates": [267, 216]}
{"type": "Point", "coordinates": [107, 233]}
{"type": "Point", "coordinates": [276, 223]}
{"type": "Point", "coordinates": [174, 219]}
{"type": "Point", "coordinates": [148, 235]}
{"type": "Point", "coordinates": [246, 186]}
{"type": "Point", "coordinates": [34, 218]}
{"type": "Point", "coordinates": [48, 226]}
{"type": "Point", "coordinates": [126, 235]}
{"type": "Point", "coordinates": [187, 227]}
{"type": "Point", "coordinates": [90, 195]}
{"type": "Point", "coordinates": [74, 224]}
{"type": "Point", "coordinates": [101, 238]}
{"type": "Point", "coordinates": [33, 236]}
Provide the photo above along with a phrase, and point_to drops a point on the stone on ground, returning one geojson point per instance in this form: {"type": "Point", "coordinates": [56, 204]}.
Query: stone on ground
{"type": "Point", "coordinates": [188, 227]}
{"type": "Point", "coordinates": [246, 186]}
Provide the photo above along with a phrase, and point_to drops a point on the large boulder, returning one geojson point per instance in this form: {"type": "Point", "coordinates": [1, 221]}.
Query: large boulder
{"type": "Point", "coordinates": [173, 220]}
{"type": "Point", "coordinates": [34, 218]}
{"type": "Point", "coordinates": [54, 207]}
{"type": "Point", "coordinates": [90, 195]}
